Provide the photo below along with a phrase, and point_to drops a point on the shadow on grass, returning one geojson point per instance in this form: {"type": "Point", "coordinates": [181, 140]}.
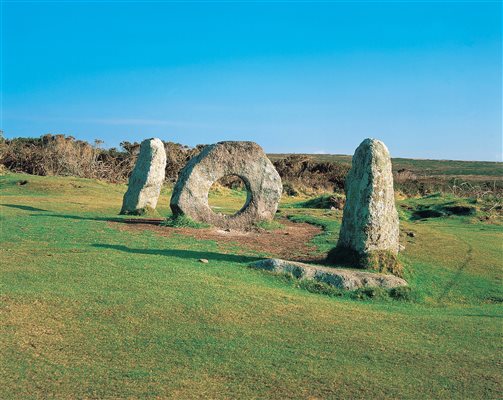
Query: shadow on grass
{"type": "Point", "coordinates": [25, 208]}
{"type": "Point", "coordinates": [80, 217]}
{"type": "Point", "coordinates": [186, 254]}
{"type": "Point", "coordinates": [127, 220]}
{"type": "Point", "coordinates": [457, 276]}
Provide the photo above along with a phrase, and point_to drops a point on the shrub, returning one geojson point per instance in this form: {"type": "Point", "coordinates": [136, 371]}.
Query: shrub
{"type": "Point", "coordinates": [301, 171]}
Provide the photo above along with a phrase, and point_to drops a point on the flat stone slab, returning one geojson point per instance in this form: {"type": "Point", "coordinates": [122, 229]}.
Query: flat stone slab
{"type": "Point", "coordinates": [347, 279]}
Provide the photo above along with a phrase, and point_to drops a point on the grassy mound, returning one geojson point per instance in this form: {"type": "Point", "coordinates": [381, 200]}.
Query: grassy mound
{"type": "Point", "coordinates": [438, 206]}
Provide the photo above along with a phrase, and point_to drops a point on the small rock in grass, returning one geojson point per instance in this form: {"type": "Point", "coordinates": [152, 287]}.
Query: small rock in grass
{"type": "Point", "coordinates": [203, 260]}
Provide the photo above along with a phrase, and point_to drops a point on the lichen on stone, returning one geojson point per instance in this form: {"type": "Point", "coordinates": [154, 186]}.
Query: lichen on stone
{"type": "Point", "coordinates": [248, 161]}
{"type": "Point", "coordinates": [147, 177]}
{"type": "Point", "coordinates": [369, 235]}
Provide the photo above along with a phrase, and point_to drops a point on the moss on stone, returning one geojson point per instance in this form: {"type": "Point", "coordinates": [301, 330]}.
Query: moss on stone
{"type": "Point", "coordinates": [383, 261]}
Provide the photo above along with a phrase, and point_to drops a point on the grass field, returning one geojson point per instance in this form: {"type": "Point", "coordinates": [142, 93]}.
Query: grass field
{"type": "Point", "coordinates": [91, 310]}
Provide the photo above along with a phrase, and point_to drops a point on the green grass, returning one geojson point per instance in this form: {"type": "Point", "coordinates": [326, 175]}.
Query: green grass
{"type": "Point", "coordinates": [226, 201]}
{"type": "Point", "coordinates": [182, 221]}
{"type": "Point", "coordinates": [269, 225]}
{"type": "Point", "coordinates": [90, 310]}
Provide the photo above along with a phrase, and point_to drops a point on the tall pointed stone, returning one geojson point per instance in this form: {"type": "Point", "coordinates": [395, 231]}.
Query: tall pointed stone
{"type": "Point", "coordinates": [146, 179]}
{"type": "Point", "coordinates": [369, 233]}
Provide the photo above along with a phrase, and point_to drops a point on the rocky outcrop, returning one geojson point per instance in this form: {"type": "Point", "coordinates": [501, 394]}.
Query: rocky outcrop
{"type": "Point", "coordinates": [369, 233]}
{"type": "Point", "coordinates": [337, 277]}
{"type": "Point", "coordinates": [146, 179]}
{"type": "Point", "coordinates": [248, 161]}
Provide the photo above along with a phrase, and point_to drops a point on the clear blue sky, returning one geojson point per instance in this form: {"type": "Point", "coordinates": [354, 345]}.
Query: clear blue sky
{"type": "Point", "coordinates": [425, 77]}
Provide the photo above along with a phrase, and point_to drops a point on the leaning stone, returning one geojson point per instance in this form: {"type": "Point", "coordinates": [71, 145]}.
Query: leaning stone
{"type": "Point", "coordinates": [146, 180]}
{"type": "Point", "coordinates": [248, 161]}
{"type": "Point", "coordinates": [369, 233]}
{"type": "Point", "coordinates": [340, 278]}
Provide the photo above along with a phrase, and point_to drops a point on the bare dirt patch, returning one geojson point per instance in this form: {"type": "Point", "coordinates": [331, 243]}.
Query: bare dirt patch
{"type": "Point", "coordinates": [291, 242]}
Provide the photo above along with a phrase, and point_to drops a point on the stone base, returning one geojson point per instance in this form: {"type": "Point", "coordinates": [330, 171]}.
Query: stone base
{"type": "Point", "coordinates": [380, 260]}
{"type": "Point", "coordinates": [337, 277]}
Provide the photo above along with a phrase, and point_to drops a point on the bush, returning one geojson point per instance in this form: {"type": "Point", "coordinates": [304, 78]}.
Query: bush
{"type": "Point", "coordinates": [64, 155]}
{"type": "Point", "coordinates": [301, 171]}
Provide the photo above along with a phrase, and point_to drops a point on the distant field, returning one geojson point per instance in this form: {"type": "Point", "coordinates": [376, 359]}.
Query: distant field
{"type": "Point", "coordinates": [422, 167]}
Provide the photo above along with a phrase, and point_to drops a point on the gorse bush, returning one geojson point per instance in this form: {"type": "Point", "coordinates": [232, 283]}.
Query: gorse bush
{"type": "Point", "coordinates": [300, 174]}
{"type": "Point", "coordinates": [64, 155]}
{"type": "Point", "coordinates": [61, 155]}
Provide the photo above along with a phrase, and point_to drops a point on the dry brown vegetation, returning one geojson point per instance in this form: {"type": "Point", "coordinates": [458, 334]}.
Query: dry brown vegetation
{"type": "Point", "coordinates": [64, 155]}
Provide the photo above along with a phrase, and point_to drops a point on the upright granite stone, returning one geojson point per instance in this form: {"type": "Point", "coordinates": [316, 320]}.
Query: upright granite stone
{"type": "Point", "coordinates": [146, 179]}
{"type": "Point", "coordinates": [369, 233]}
{"type": "Point", "coordinates": [248, 161]}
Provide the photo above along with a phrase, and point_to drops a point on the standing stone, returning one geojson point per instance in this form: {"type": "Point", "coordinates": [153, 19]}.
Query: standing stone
{"type": "Point", "coordinates": [369, 233]}
{"type": "Point", "coordinates": [146, 179]}
{"type": "Point", "coordinates": [248, 161]}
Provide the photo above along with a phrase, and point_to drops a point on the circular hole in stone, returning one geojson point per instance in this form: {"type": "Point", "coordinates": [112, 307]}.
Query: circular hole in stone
{"type": "Point", "coordinates": [228, 195]}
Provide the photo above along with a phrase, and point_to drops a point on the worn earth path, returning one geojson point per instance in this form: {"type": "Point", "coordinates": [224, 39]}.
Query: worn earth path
{"type": "Point", "coordinates": [293, 242]}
